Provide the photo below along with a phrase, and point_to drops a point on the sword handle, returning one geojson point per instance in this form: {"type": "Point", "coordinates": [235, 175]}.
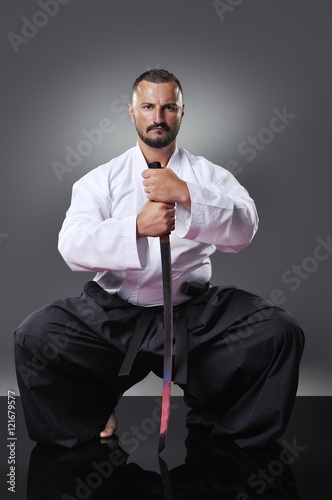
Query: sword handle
{"type": "Point", "coordinates": [164, 238]}
{"type": "Point", "coordinates": [156, 164]}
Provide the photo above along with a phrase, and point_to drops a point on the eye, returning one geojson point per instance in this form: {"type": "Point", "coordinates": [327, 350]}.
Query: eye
{"type": "Point", "coordinates": [147, 106]}
{"type": "Point", "coordinates": [171, 107]}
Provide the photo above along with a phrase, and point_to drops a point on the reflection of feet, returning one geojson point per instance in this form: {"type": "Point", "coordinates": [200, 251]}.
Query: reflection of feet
{"type": "Point", "coordinates": [110, 427]}
{"type": "Point", "coordinates": [93, 470]}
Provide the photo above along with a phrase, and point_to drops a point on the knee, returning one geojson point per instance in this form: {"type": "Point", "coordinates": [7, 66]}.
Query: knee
{"type": "Point", "coordinates": [30, 330]}
{"type": "Point", "coordinates": [43, 332]}
{"type": "Point", "coordinates": [274, 327]}
{"type": "Point", "coordinates": [36, 345]}
{"type": "Point", "coordinates": [287, 332]}
{"type": "Point", "coordinates": [26, 359]}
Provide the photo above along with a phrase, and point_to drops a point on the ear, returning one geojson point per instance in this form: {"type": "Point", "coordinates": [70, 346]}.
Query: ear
{"type": "Point", "coordinates": [182, 111]}
{"type": "Point", "coordinates": [131, 111]}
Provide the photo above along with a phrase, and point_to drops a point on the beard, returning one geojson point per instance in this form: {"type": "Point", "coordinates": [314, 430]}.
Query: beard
{"type": "Point", "coordinates": [163, 140]}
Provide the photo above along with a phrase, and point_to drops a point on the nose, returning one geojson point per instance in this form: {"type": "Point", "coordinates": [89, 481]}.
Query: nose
{"type": "Point", "coordinates": [158, 115]}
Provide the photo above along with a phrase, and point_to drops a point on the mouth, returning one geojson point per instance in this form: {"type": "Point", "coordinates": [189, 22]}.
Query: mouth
{"type": "Point", "coordinates": [159, 128]}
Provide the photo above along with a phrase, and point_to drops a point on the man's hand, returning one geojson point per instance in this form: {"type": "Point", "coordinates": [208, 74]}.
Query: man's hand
{"type": "Point", "coordinates": [155, 219]}
{"type": "Point", "coordinates": [163, 185]}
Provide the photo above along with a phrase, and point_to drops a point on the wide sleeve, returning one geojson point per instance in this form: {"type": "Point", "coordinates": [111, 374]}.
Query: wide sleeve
{"type": "Point", "coordinates": [92, 240]}
{"type": "Point", "coordinates": [222, 213]}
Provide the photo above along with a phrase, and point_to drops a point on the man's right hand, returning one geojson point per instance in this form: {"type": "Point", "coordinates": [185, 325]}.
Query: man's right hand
{"type": "Point", "coordinates": [155, 219]}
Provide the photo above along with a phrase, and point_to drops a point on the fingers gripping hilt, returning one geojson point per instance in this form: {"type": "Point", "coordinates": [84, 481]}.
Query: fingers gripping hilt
{"type": "Point", "coordinates": [154, 164]}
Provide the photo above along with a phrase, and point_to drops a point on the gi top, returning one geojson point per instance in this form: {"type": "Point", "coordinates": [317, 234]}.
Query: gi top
{"type": "Point", "coordinates": [99, 231]}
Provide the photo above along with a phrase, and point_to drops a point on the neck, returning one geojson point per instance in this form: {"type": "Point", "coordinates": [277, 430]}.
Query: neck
{"type": "Point", "coordinates": [157, 154]}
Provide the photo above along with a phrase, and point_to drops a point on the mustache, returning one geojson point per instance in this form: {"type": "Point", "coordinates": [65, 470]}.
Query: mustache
{"type": "Point", "coordinates": [162, 125]}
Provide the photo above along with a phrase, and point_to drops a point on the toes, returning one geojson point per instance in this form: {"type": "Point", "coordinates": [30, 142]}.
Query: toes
{"type": "Point", "coordinates": [110, 427]}
{"type": "Point", "coordinates": [107, 432]}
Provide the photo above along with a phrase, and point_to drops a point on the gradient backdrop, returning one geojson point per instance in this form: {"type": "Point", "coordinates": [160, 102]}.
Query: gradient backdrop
{"type": "Point", "coordinates": [68, 66]}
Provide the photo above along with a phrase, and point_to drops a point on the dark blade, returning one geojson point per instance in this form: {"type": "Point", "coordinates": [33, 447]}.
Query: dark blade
{"type": "Point", "coordinates": [167, 487]}
{"type": "Point", "coordinates": [168, 339]}
{"type": "Point", "coordinates": [165, 250]}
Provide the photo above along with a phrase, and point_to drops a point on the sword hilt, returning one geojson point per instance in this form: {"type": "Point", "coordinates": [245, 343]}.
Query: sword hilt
{"type": "Point", "coordinates": [156, 164]}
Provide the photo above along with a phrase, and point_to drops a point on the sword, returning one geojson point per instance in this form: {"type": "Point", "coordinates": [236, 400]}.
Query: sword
{"type": "Point", "coordinates": [165, 250]}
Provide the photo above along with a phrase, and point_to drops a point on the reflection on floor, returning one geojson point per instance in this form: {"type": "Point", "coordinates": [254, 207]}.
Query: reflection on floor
{"type": "Point", "coordinates": [191, 466]}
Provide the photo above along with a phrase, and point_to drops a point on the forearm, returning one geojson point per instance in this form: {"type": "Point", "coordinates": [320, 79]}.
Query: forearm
{"type": "Point", "coordinates": [228, 221]}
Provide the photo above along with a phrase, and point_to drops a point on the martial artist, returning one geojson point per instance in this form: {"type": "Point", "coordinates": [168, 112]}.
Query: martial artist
{"type": "Point", "coordinates": [236, 355]}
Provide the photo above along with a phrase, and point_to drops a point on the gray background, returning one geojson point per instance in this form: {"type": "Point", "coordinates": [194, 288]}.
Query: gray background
{"type": "Point", "coordinates": [78, 70]}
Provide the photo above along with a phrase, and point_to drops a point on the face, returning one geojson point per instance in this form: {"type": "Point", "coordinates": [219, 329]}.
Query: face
{"type": "Point", "coordinates": [157, 110]}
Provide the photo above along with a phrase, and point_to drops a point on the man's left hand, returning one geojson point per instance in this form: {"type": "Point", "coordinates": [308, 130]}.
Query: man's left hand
{"type": "Point", "coordinates": [162, 184]}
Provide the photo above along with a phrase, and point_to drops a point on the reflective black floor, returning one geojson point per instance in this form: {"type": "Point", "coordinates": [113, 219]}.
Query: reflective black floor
{"type": "Point", "coordinates": [192, 467]}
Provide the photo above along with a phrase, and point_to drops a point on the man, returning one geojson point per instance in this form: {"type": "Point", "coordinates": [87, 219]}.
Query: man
{"type": "Point", "coordinates": [236, 355]}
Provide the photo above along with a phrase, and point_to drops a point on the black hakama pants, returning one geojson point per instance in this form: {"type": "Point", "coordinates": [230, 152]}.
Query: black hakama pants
{"type": "Point", "coordinates": [236, 358]}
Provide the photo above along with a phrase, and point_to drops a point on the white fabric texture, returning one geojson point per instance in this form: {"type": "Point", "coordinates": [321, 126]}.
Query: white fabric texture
{"type": "Point", "coordinates": [99, 231]}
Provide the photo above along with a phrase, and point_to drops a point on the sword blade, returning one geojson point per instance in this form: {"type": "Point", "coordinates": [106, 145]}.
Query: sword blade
{"type": "Point", "coordinates": [165, 250]}
{"type": "Point", "coordinates": [166, 266]}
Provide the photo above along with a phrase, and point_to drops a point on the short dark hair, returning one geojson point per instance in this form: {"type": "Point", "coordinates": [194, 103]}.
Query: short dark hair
{"type": "Point", "coordinates": [157, 76]}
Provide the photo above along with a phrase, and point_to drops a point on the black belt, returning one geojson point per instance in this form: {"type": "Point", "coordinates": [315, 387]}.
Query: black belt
{"type": "Point", "coordinates": [181, 347]}
{"type": "Point", "coordinates": [190, 289]}
{"type": "Point", "coordinates": [140, 330]}
{"type": "Point", "coordinates": [180, 332]}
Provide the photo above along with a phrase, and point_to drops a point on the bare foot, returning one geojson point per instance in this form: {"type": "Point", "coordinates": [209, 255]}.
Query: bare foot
{"type": "Point", "coordinates": [110, 427]}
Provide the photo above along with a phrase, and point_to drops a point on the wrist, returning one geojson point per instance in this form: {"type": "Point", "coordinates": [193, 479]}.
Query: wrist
{"type": "Point", "coordinates": [139, 233]}
{"type": "Point", "coordinates": [184, 198]}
